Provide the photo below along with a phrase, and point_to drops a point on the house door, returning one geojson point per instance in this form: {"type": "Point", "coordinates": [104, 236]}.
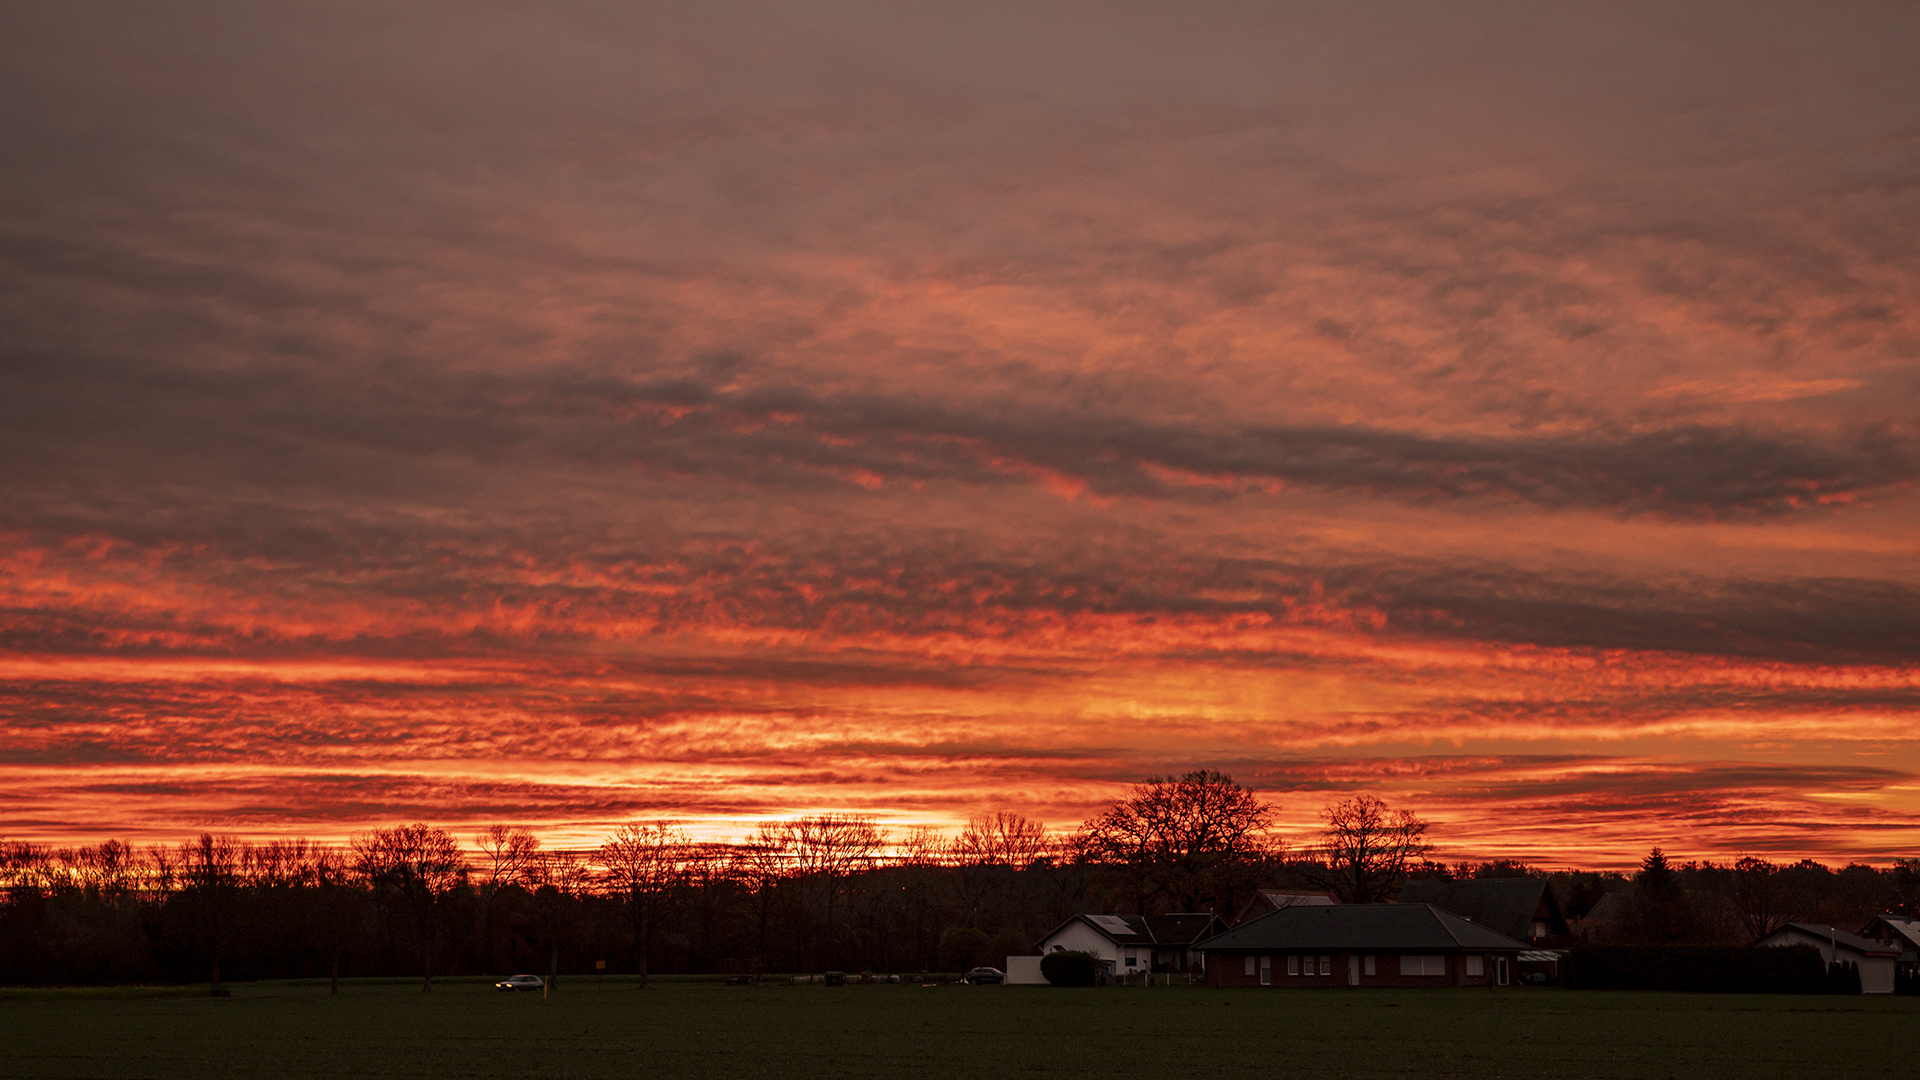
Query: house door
{"type": "Point", "coordinates": [1500, 970]}
{"type": "Point", "coordinates": [1353, 970]}
{"type": "Point", "coordinates": [1266, 971]}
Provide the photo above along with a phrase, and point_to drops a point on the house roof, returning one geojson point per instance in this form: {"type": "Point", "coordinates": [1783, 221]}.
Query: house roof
{"type": "Point", "coordinates": [1182, 928]}
{"type": "Point", "coordinates": [1504, 904]}
{"type": "Point", "coordinates": [1280, 898]}
{"type": "Point", "coordinates": [1361, 926]}
{"type": "Point", "coordinates": [1907, 930]}
{"type": "Point", "coordinates": [1854, 942]}
{"type": "Point", "coordinates": [1266, 900]}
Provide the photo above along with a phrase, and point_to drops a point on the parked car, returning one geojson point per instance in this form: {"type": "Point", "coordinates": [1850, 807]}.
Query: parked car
{"type": "Point", "coordinates": [520, 982]}
{"type": "Point", "coordinates": [982, 976]}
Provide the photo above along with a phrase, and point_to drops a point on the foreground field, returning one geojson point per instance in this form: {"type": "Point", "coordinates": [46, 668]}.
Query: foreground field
{"type": "Point", "coordinates": [699, 1030]}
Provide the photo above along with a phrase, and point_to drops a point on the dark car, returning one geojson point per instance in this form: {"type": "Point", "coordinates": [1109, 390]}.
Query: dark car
{"type": "Point", "coordinates": [982, 976]}
{"type": "Point", "coordinates": [519, 982]}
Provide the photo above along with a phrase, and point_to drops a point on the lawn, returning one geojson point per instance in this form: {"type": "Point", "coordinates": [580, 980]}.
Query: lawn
{"type": "Point", "coordinates": [685, 1029]}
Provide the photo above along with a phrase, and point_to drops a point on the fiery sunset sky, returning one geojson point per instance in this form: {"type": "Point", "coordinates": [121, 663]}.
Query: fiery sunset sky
{"type": "Point", "coordinates": [561, 415]}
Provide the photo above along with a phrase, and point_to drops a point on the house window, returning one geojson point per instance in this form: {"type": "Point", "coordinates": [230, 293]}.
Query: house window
{"type": "Point", "coordinates": [1539, 928]}
{"type": "Point", "coordinates": [1423, 965]}
{"type": "Point", "coordinates": [1367, 965]}
{"type": "Point", "coordinates": [1133, 961]}
{"type": "Point", "coordinates": [1249, 959]}
{"type": "Point", "coordinates": [1326, 965]}
{"type": "Point", "coordinates": [1266, 971]}
{"type": "Point", "coordinates": [1476, 966]}
{"type": "Point", "coordinates": [1293, 965]}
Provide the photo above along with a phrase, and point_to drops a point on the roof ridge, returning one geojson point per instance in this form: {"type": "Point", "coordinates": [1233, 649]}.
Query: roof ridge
{"type": "Point", "coordinates": [1850, 940]}
{"type": "Point", "coordinates": [1435, 914]}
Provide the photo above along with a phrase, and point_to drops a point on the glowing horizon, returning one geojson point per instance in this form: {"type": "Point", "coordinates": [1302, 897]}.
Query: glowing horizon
{"type": "Point", "coordinates": [573, 416]}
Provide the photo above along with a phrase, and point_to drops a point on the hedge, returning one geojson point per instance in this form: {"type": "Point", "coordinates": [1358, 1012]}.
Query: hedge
{"type": "Point", "coordinates": [1066, 968]}
{"type": "Point", "coordinates": [1794, 969]}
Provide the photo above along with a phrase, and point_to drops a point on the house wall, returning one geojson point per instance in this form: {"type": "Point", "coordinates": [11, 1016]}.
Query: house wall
{"type": "Point", "coordinates": [1228, 970]}
{"type": "Point", "coordinates": [1077, 936]}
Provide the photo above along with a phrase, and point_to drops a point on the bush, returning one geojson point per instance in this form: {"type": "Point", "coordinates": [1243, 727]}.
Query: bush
{"type": "Point", "coordinates": [1070, 968]}
{"type": "Point", "coordinates": [1843, 978]}
{"type": "Point", "coordinates": [963, 948]}
{"type": "Point", "coordinates": [1795, 969]}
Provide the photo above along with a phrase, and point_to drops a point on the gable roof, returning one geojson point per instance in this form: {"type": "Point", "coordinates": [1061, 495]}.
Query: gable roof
{"type": "Point", "coordinates": [1181, 928]}
{"type": "Point", "coordinates": [1360, 927]}
{"type": "Point", "coordinates": [1905, 931]}
{"type": "Point", "coordinates": [1504, 904]}
{"type": "Point", "coordinates": [1854, 942]}
{"type": "Point", "coordinates": [1266, 900]}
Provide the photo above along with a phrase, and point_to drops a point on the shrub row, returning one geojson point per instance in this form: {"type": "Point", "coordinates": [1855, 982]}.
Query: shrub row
{"type": "Point", "coordinates": [1795, 969]}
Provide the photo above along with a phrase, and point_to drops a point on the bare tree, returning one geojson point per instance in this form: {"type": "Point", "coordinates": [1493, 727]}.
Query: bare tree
{"type": "Point", "coordinates": [1002, 839]}
{"type": "Point", "coordinates": [337, 906]}
{"type": "Point", "coordinates": [820, 853]}
{"type": "Point", "coordinates": [560, 879]}
{"type": "Point", "coordinates": [210, 874]}
{"type": "Point", "coordinates": [759, 864]}
{"type": "Point", "coordinates": [644, 864]}
{"type": "Point", "coordinates": [922, 845]}
{"type": "Point", "coordinates": [1191, 841]}
{"type": "Point", "coordinates": [112, 869]}
{"type": "Point", "coordinates": [1366, 848]}
{"type": "Point", "coordinates": [1756, 891]}
{"type": "Point", "coordinates": [509, 856]}
{"type": "Point", "coordinates": [417, 864]}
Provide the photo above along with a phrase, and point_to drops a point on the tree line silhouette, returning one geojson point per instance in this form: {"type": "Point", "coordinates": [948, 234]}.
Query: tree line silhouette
{"type": "Point", "coordinates": [804, 894]}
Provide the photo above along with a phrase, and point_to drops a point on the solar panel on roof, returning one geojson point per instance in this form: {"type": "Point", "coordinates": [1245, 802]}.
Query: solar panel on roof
{"type": "Point", "coordinates": [1112, 924]}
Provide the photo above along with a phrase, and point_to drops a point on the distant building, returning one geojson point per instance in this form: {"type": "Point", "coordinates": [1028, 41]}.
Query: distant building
{"type": "Point", "coordinates": [1268, 901]}
{"type": "Point", "coordinates": [1394, 945]}
{"type": "Point", "coordinates": [1135, 943]}
{"type": "Point", "coordinates": [1523, 908]}
{"type": "Point", "coordinates": [1897, 933]}
{"type": "Point", "coordinates": [1876, 961]}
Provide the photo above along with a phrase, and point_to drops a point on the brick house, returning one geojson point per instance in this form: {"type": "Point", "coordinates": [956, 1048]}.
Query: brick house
{"type": "Point", "coordinates": [1521, 908]}
{"type": "Point", "coordinates": [1386, 945]}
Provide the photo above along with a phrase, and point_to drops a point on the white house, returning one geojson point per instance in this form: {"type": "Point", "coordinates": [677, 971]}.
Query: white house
{"type": "Point", "coordinates": [1875, 960]}
{"type": "Point", "coordinates": [1127, 943]}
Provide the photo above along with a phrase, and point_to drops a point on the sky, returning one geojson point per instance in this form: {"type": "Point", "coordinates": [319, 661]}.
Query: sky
{"type": "Point", "coordinates": [570, 414]}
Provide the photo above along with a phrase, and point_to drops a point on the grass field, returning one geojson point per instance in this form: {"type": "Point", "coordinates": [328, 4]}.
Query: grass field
{"type": "Point", "coordinates": [697, 1030]}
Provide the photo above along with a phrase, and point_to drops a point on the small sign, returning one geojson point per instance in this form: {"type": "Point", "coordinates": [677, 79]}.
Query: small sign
{"type": "Point", "coordinates": [599, 965]}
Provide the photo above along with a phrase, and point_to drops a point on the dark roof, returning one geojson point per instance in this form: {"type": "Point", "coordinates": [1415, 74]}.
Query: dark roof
{"type": "Point", "coordinates": [1183, 928]}
{"type": "Point", "coordinates": [1503, 904]}
{"type": "Point", "coordinates": [1266, 900]}
{"type": "Point", "coordinates": [1361, 926]}
{"type": "Point", "coordinates": [1864, 946]}
{"type": "Point", "coordinates": [1905, 930]}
